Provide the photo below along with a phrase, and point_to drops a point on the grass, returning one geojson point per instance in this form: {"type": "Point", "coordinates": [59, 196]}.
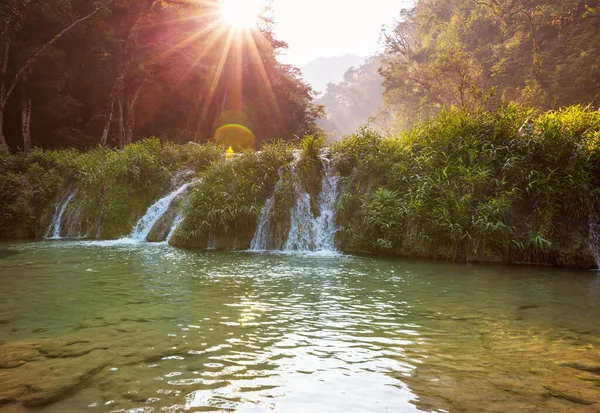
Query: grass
{"type": "Point", "coordinates": [470, 186]}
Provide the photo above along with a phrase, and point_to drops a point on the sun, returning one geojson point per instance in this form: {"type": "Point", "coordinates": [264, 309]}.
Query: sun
{"type": "Point", "coordinates": [240, 14]}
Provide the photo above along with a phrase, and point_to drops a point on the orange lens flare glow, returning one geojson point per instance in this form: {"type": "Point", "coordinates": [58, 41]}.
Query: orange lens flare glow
{"type": "Point", "coordinates": [238, 137]}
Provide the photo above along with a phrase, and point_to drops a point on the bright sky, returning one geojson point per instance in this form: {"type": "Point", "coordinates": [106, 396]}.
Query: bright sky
{"type": "Point", "coordinates": [325, 28]}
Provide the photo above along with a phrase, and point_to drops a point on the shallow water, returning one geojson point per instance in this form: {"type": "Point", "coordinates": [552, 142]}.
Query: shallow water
{"type": "Point", "coordinates": [116, 327]}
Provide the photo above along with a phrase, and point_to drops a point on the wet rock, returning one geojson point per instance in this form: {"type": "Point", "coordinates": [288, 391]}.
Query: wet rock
{"type": "Point", "coordinates": [61, 381]}
{"type": "Point", "coordinates": [69, 349]}
{"type": "Point", "coordinates": [591, 368]}
{"type": "Point", "coordinates": [527, 307]}
{"type": "Point", "coordinates": [12, 387]}
{"type": "Point", "coordinates": [15, 355]}
{"type": "Point", "coordinates": [570, 395]}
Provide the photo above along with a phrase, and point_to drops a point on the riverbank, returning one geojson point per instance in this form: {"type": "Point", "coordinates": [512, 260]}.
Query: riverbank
{"type": "Point", "coordinates": [497, 186]}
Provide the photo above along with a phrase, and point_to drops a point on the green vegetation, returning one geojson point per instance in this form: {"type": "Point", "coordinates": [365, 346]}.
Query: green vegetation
{"type": "Point", "coordinates": [478, 54]}
{"type": "Point", "coordinates": [501, 186]}
{"type": "Point", "coordinates": [115, 186]}
{"type": "Point", "coordinates": [226, 203]}
{"type": "Point", "coordinates": [467, 186]}
{"type": "Point", "coordinates": [29, 184]}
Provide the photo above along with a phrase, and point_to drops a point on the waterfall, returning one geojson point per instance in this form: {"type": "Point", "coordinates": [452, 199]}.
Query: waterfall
{"type": "Point", "coordinates": [306, 232]}
{"type": "Point", "coordinates": [594, 232]}
{"type": "Point", "coordinates": [53, 231]}
{"type": "Point", "coordinates": [263, 237]}
{"type": "Point", "coordinates": [174, 226]}
{"type": "Point", "coordinates": [145, 224]}
{"type": "Point", "coordinates": [212, 241]}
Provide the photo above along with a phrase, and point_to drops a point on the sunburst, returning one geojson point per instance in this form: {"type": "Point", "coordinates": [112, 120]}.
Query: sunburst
{"type": "Point", "coordinates": [240, 14]}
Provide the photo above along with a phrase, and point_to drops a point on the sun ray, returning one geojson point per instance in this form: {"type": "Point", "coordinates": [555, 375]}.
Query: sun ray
{"type": "Point", "coordinates": [257, 61]}
{"type": "Point", "coordinates": [217, 75]}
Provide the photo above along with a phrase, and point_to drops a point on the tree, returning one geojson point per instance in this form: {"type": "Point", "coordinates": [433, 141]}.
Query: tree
{"type": "Point", "coordinates": [356, 100]}
{"type": "Point", "coordinates": [478, 54]}
{"type": "Point", "coordinates": [13, 13]}
{"type": "Point", "coordinates": [168, 68]}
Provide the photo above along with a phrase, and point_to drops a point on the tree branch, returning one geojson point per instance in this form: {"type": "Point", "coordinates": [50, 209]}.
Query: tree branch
{"type": "Point", "coordinates": [33, 58]}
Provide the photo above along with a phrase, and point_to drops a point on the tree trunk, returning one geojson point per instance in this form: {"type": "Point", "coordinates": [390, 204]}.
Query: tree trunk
{"type": "Point", "coordinates": [26, 122]}
{"type": "Point", "coordinates": [2, 139]}
{"type": "Point", "coordinates": [130, 123]}
{"type": "Point", "coordinates": [3, 98]}
{"type": "Point", "coordinates": [104, 138]}
{"type": "Point", "coordinates": [26, 113]}
{"type": "Point", "coordinates": [120, 99]}
{"type": "Point", "coordinates": [4, 93]}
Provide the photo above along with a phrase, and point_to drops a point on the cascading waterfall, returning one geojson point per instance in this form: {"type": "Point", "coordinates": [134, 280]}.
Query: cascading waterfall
{"type": "Point", "coordinates": [174, 226]}
{"type": "Point", "coordinates": [212, 241]}
{"type": "Point", "coordinates": [145, 224]}
{"type": "Point", "coordinates": [307, 232]}
{"type": "Point", "coordinates": [263, 237]}
{"type": "Point", "coordinates": [53, 231]}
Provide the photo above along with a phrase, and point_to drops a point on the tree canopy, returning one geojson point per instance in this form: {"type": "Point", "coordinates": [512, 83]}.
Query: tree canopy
{"type": "Point", "coordinates": [479, 53]}
{"type": "Point", "coordinates": [111, 72]}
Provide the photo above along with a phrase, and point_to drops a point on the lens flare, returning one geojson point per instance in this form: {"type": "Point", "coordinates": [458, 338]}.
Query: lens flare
{"type": "Point", "coordinates": [234, 131]}
{"type": "Point", "coordinates": [238, 137]}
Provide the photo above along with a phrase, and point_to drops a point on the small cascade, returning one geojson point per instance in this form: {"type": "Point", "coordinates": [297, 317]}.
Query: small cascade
{"type": "Point", "coordinates": [212, 241]}
{"type": "Point", "coordinates": [263, 237]}
{"type": "Point", "coordinates": [145, 224]}
{"type": "Point", "coordinates": [594, 232]}
{"type": "Point", "coordinates": [308, 233]}
{"type": "Point", "coordinates": [178, 219]}
{"type": "Point", "coordinates": [53, 231]}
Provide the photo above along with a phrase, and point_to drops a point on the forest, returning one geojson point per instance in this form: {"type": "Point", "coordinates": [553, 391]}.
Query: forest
{"type": "Point", "coordinates": [83, 73]}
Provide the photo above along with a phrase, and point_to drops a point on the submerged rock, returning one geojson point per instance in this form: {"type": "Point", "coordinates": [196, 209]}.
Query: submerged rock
{"type": "Point", "coordinates": [38, 373]}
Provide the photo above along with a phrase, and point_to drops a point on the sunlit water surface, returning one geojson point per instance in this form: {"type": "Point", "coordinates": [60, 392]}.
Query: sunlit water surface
{"type": "Point", "coordinates": [109, 327]}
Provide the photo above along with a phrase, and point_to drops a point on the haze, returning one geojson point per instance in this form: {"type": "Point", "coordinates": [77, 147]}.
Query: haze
{"type": "Point", "coordinates": [324, 28]}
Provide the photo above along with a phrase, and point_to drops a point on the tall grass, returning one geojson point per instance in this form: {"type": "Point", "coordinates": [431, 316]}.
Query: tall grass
{"type": "Point", "coordinates": [227, 202]}
{"type": "Point", "coordinates": [467, 186]}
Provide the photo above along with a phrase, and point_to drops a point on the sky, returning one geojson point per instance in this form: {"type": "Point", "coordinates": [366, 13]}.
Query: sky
{"type": "Point", "coordinates": [326, 28]}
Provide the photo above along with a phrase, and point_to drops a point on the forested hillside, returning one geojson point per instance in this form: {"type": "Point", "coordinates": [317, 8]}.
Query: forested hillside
{"type": "Point", "coordinates": [479, 54]}
{"type": "Point", "coordinates": [78, 73]}
{"type": "Point", "coordinates": [355, 101]}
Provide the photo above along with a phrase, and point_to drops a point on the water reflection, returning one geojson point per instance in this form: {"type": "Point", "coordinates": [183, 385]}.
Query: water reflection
{"type": "Point", "coordinates": [187, 331]}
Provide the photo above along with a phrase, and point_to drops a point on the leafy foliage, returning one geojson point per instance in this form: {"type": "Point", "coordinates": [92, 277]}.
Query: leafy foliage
{"type": "Point", "coordinates": [227, 201]}
{"type": "Point", "coordinates": [470, 186]}
{"type": "Point", "coordinates": [477, 55]}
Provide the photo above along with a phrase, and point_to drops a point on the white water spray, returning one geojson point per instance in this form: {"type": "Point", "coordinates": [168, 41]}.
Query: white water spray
{"type": "Point", "coordinates": [53, 231]}
{"type": "Point", "coordinates": [594, 232]}
{"type": "Point", "coordinates": [307, 233]}
{"type": "Point", "coordinates": [263, 237]}
{"type": "Point", "coordinates": [174, 226]}
{"type": "Point", "coordinates": [155, 212]}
